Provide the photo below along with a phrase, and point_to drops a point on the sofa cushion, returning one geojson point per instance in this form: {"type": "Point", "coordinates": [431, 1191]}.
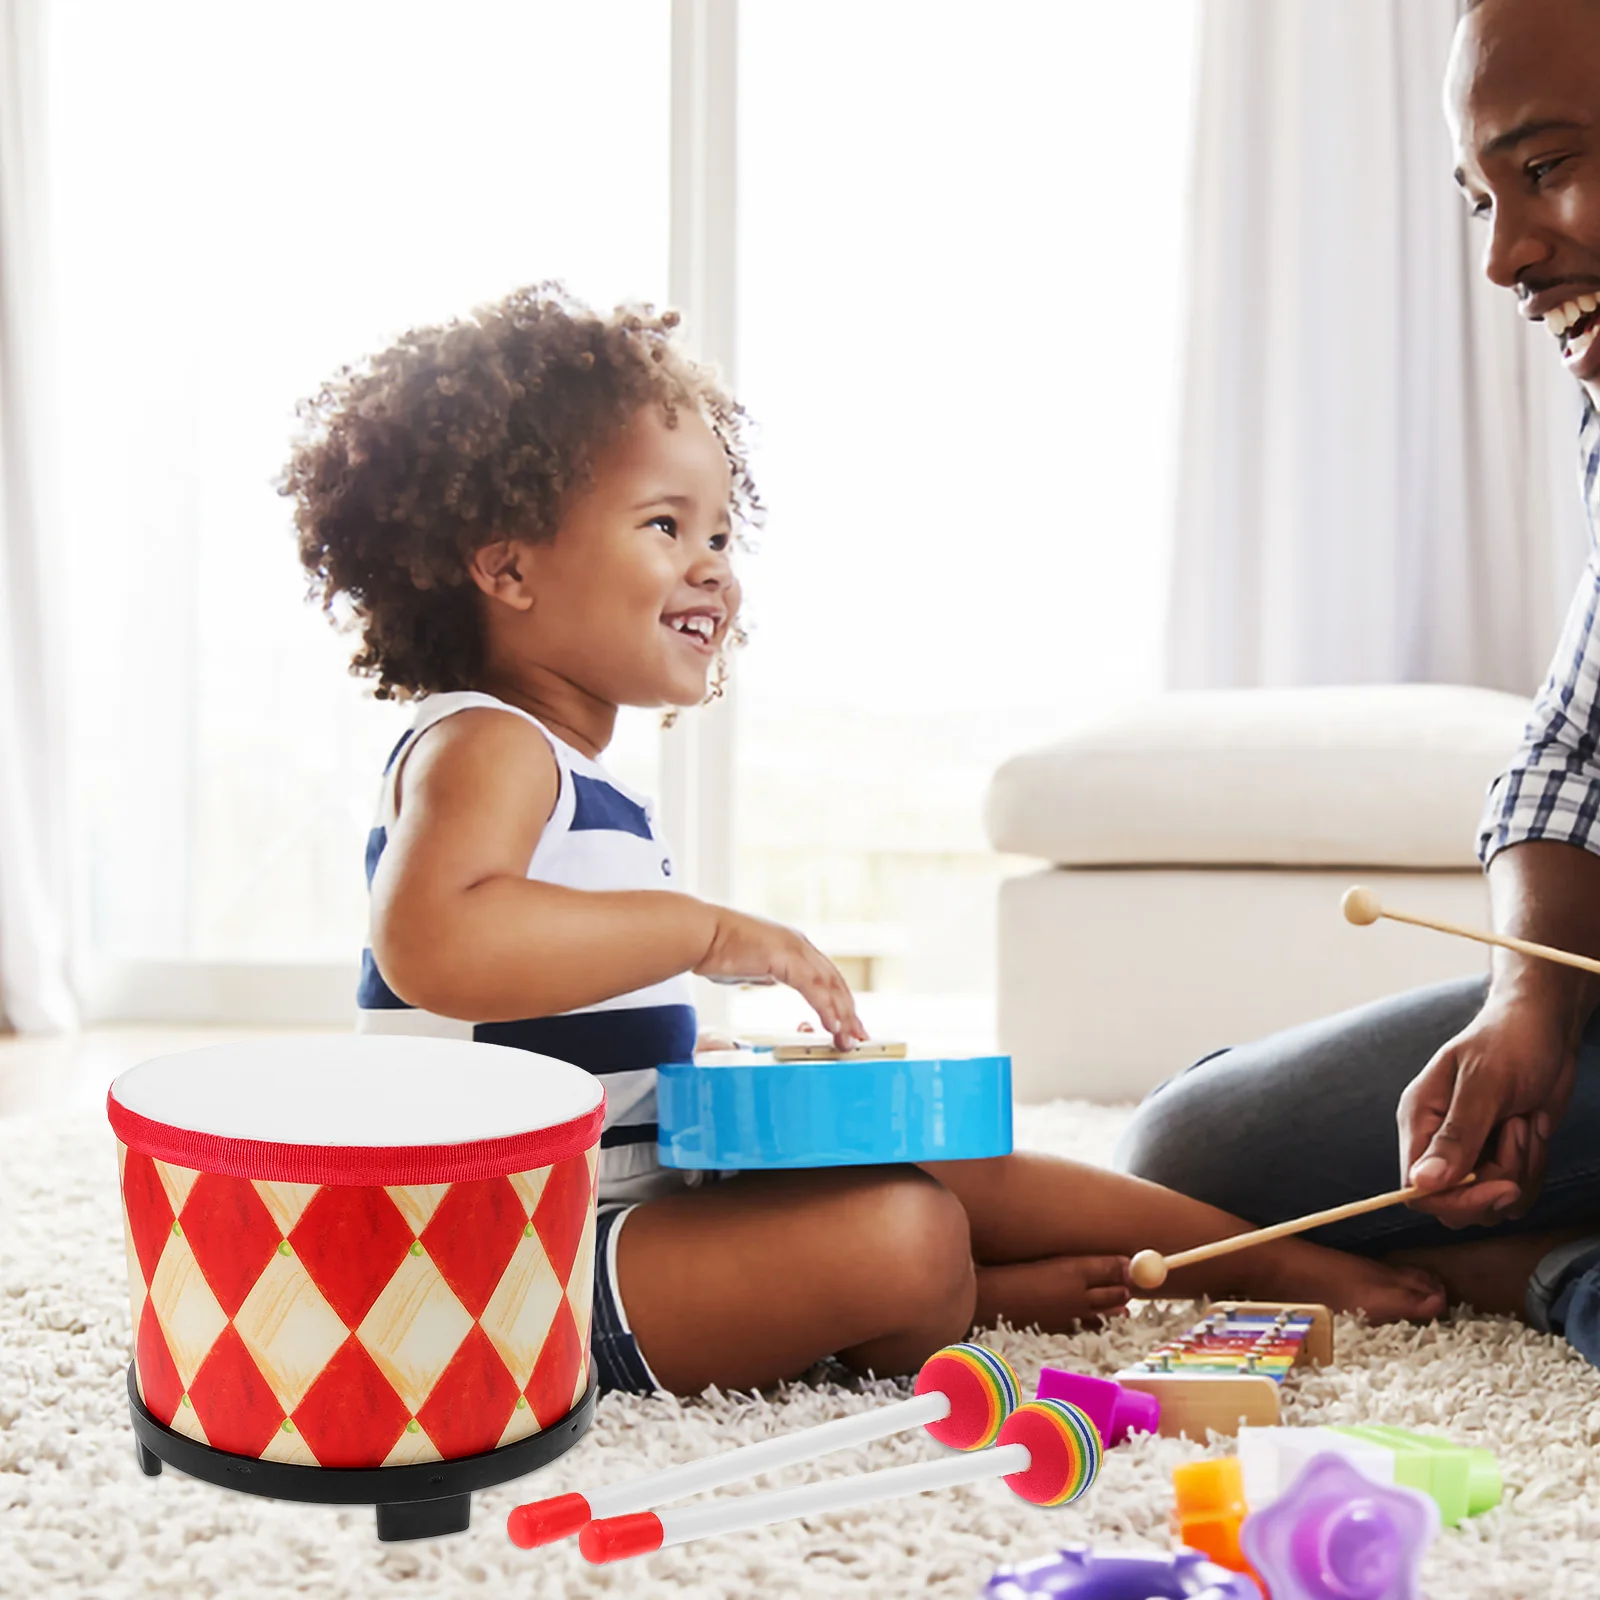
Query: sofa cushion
{"type": "Point", "coordinates": [1111, 982]}
{"type": "Point", "coordinates": [1383, 775]}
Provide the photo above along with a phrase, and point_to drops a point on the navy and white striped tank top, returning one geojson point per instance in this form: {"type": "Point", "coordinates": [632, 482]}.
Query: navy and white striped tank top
{"type": "Point", "coordinates": [600, 836]}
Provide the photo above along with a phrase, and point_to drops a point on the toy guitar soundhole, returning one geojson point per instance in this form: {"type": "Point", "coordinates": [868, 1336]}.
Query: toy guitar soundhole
{"type": "Point", "coordinates": [758, 1113]}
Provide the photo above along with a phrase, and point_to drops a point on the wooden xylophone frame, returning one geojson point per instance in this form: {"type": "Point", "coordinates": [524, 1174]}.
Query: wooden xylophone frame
{"type": "Point", "coordinates": [1193, 1403]}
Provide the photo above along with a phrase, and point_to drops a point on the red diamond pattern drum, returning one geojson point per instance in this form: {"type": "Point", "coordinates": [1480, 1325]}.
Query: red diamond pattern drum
{"type": "Point", "coordinates": [284, 1312]}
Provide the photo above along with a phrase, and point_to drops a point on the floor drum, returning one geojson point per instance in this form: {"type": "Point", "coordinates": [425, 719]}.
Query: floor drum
{"type": "Point", "coordinates": [360, 1268]}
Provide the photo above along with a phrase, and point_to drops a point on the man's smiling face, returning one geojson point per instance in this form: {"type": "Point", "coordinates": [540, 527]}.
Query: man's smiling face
{"type": "Point", "coordinates": [1522, 95]}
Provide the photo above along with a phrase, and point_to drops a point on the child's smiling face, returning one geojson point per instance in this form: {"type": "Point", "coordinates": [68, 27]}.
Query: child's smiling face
{"type": "Point", "coordinates": [633, 598]}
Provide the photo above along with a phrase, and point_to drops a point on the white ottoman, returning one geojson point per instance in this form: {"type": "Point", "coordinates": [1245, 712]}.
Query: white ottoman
{"type": "Point", "coordinates": [1198, 845]}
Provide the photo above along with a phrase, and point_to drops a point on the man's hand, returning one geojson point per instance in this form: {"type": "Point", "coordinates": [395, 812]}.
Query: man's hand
{"type": "Point", "coordinates": [754, 949]}
{"type": "Point", "coordinates": [1487, 1103]}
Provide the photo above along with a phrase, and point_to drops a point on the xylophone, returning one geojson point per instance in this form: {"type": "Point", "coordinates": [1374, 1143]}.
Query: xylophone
{"type": "Point", "coordinates": [1229, 1368]}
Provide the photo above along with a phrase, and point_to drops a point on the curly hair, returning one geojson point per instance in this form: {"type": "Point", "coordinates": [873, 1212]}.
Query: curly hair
{"type": "Point", "coordinates": [459, 436]}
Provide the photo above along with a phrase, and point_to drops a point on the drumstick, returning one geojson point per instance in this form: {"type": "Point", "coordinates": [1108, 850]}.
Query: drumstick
{"type": "Point", "coordinates": [1049, 1454]}
{"type": "Point", "coordinates": [1149, 1268]}
{"type": "Point", "coordinates": [964, 1393]}
{"type": "Point", "coordinates": [1362, 907]}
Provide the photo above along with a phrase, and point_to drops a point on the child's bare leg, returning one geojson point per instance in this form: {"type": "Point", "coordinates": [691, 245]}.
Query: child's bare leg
{"type": "Point", "coordinates": [1490, 1275]}
{"type": "Point", "coordinates": [751, 1281]}
{"type": "Point", "coordinates": [1026, 1211]}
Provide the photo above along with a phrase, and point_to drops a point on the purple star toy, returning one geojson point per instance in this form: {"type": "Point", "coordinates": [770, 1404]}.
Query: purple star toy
{"type": "Point", "coordinates": [1335, 1535]}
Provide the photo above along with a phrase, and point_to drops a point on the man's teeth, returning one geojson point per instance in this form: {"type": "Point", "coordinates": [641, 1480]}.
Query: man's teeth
{"type": "Point", "coordinates": [1563, 317]}
{"type": "Point", "coordinates": [1579, 346]}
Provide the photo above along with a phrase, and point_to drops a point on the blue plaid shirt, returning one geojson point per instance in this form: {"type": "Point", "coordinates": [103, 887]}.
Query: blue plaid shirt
{"type": "Point", "coordinates": [1552, 788]}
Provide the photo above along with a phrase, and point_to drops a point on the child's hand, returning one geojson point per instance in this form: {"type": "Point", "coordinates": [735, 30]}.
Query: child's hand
{"type": "Point", "coordinates": [752, 948]}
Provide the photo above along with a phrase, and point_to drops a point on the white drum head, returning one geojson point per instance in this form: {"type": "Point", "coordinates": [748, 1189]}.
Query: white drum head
{"type": "Point", "coordinates": [376, 1090]}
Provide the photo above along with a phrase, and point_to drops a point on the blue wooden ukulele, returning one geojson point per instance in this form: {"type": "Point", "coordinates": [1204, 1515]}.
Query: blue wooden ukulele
{"type": "Point", "coordinates": [808, 1106]}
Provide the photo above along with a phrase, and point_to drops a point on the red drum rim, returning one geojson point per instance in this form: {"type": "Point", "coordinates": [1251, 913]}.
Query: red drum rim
{"type": "Point", "coordinates": [354, 1163]}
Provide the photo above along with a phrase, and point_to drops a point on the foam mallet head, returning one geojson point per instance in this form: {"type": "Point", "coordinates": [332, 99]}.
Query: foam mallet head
{"type": "Point", "coordinates": [981, 1388]}
{"type": "Point", "coordinates": [963, 1395]}
{"type": "Point", "coordinates": [1048, 1452]}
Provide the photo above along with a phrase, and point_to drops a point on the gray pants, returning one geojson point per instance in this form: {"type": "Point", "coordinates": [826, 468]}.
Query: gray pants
{"type": "Point", "coordinates": [1305, 1119]}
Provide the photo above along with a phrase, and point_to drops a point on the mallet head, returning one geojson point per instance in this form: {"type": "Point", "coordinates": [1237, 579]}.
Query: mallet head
{"type": "Point", "coordinates": [1148, 1269]}
{"type": "Point", "coordinates": [1361, 906]}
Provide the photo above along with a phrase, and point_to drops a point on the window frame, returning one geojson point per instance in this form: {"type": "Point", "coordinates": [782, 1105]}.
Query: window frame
{"type": "Point", "coordinates": [697, 753]}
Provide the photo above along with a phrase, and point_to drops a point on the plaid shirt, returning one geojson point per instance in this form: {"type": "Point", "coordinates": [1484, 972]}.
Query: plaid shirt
{"type": "Point", "coordinates": [1552, 788]}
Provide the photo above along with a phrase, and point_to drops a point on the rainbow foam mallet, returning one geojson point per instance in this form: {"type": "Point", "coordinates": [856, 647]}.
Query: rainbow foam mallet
{"type": "Point", "coordinates": [963, 1394]}
{"type": "Point", "coordinates": [1048, 1453]}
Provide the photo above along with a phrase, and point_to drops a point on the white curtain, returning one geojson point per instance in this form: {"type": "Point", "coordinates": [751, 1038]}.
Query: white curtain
{"type": "Point", "coordinates": [34, 993]}
{"type": "Point", "coordinates": [1376, 478]}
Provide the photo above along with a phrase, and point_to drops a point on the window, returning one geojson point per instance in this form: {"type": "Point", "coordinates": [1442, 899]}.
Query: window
{"type": "Point", "coordinates": [243, 199]}
{"type": "Point", "coordinates": [958, 304]}
{"type": "Point", "coordinates": [960, 275]}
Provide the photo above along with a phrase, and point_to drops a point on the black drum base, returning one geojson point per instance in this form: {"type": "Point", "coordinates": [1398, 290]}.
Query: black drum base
{"type": "Point", "coordinates": [422, 1501]}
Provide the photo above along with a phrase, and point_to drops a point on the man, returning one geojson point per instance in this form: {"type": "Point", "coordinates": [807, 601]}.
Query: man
{"type": "Point", "coordinates": [1509, 1079]}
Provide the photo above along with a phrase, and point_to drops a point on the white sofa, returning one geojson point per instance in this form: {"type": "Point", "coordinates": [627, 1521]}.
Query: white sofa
{"type": "Point", "coordinates": [1196, 847]}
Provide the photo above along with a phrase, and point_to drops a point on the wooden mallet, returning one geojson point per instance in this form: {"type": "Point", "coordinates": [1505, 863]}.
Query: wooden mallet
{"type": "Point", "coordinates": [1149, 1268]}
{"type": "Point", "coordinates": [1362, 907]}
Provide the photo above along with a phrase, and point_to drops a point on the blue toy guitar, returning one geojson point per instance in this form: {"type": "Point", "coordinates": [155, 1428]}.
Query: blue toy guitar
{"type": "Point", "coordinates": [751, 1110]}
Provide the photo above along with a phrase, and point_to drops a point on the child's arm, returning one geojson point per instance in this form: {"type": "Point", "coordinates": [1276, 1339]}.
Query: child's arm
{"type": "Point", "coordinates": [458, 928]}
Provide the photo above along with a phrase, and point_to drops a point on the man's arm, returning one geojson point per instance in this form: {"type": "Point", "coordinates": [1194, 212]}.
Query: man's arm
{"type": "Point", "coordinates": [1489, 1100]}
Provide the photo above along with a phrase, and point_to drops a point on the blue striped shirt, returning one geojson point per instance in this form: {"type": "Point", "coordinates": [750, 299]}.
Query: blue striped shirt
{"type": "Point", "coordinates": [600, 836]}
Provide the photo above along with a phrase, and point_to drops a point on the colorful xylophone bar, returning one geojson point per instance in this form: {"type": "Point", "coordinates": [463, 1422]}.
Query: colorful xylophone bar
{"type": "Point", "coordinates": [1227, 1369]}
{"type": "Point", "coordinates": [1232, 1342]}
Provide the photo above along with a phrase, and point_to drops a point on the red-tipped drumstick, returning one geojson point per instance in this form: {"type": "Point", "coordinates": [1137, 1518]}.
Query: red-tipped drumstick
{"type": "Point", "coordinates": [964, 1393]}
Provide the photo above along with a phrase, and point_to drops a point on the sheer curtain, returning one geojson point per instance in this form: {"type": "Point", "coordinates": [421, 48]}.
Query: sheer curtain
{"type": "Point", "coordinates": [959, 299]}
{"type": "Point", "coordinates": [1376, 472]}
{"type": "Point", "coordinates": [242, 199]}
{"type": "Point", "coordinates": [33, 897]}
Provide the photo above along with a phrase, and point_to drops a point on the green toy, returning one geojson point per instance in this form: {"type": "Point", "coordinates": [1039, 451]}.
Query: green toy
{"type": "Point", "coordinates": [1462, 1480]}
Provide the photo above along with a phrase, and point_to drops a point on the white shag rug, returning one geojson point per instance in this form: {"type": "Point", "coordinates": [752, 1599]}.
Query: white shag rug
{"type": "Point", "coordinates": [77, 1518]}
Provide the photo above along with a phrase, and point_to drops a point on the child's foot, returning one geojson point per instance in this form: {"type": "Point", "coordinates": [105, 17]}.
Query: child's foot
{"type": "Point", "coordinates": [1055, 1294]}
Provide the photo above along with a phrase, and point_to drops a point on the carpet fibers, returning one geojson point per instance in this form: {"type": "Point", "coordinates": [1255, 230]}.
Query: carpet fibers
{"type": "Point", "coordinates": [78, 1518]}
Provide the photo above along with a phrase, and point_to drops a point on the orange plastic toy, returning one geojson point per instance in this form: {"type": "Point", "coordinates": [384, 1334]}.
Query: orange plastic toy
{"type": "Point", "coordinates": [1211, 1508]}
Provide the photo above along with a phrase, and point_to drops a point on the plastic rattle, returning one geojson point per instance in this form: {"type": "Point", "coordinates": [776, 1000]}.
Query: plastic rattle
{"type": "Point", "coordinates": [963, 1394]}
{"type": "Point", "coordinates": [1335, 1535]}
{"type": "Point", "coordinates": [1084, 1574]}
{"type": "Point", "coordinates": [1049, 1454]}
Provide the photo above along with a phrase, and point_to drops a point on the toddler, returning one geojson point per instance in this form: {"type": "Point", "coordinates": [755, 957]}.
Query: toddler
{"type": "Point", "coordinates": [531, 514]}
